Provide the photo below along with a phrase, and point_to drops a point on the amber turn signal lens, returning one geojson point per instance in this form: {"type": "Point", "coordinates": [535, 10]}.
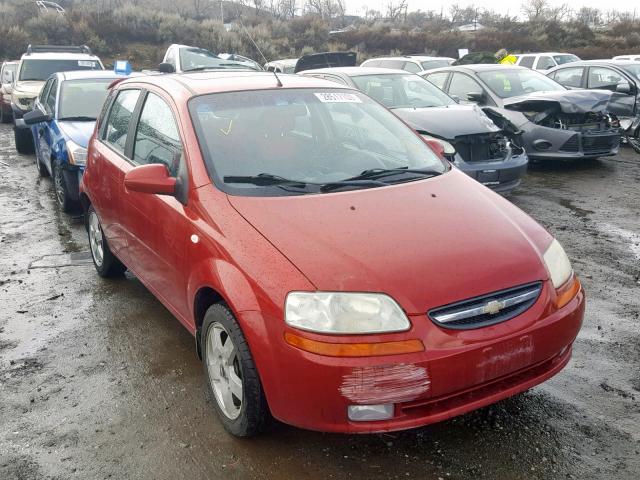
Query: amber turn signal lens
{"type": "Point", "coordinates": [353, 349]}
{"type": "Point", "coordinates": [566, 292]}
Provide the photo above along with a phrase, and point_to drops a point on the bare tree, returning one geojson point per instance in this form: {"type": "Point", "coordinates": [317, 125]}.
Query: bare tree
{"type": "Point", "coordinates": [397, 10]}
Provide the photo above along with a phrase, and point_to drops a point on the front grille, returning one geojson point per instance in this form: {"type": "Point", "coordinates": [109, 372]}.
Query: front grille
{"type": "Point", "coordinates": [599, 143]}
{"type": "Point", "coordinates": [487, 309]}
{"type": "Point", "coordinates": [481, 148]}
{"type": "Point", "coordinates": [571, 145]}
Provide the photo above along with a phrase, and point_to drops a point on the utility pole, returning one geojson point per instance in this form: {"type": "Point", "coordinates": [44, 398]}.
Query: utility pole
{"type": "Point", "coordinates": [221, 13]}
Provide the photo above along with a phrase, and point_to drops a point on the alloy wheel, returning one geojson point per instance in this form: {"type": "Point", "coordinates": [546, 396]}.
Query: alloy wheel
{"type": "Point", "coordinates": [225, 374]}
{"type": "Point", "coordinates": [58, 181]}
{"type": "Point", "coordinates": [95, 239]}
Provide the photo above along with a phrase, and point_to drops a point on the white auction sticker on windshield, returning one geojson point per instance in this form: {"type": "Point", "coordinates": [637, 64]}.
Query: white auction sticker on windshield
{"type": "Point", "coordinates": [338, 97]}
{"type": "Point", "coordinates": [85, 63]}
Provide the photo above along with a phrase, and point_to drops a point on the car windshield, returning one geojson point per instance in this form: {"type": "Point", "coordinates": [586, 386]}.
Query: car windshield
{"type": "Point", "coordinates": [296, 141]}
{"type": "Point", "coordinates": [82, 99]}
{"type": "Point", "coordinates": [506, 83]}
{"type": "Point", "coordinates": [398, 90]}
{"type": "Point", "coordinates": [200, 59]}
{"type": "Point", "coordinates": [431, 64]}
{"type": "Point", "coordinates": [633, 69]}
{"type": "Point", "coordinates": [567, 58]}
{"type": "Point", "coordinates": [41, 69]}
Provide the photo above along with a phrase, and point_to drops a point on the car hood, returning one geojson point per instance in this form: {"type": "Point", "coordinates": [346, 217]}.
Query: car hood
{"type": "Point", "coordinates": [448, 122]}
{"type": "Point", "coordinates": [569, 101]}
{"type": "Point", "coordinates": [79, 132]}
{"type": "Point", "coordinates": [31, 86]}
{"type": "Point", "coordinates": [426, 243]}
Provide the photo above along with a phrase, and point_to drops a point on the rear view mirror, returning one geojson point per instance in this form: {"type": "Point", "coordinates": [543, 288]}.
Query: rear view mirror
{"type": "Point", "coordinates": [623, 88]}
{"type": "Point", "coordinates": [151, 178]}
{"type": "Point", "coordinates": [36, 116]}
{"type": "Point", "coordinates": [166, 68]}
{"type": "Point", "coordinates": [475, 97]}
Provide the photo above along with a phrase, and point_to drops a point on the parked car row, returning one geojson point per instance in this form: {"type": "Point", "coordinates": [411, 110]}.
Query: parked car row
{"type": "Point", "coordinates": [336, 271]}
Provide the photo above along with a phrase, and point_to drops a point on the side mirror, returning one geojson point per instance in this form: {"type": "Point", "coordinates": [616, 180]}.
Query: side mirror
{"type": "Point", "coordinates": [475, 97]}
{"type": "Point", "coordinates": [166, 68]}
{"type": "Point", "coordinates": [455, 98]}
{"type": "Point", "coordinates": [151, 178]}
{"type": "Point", "coordinates": [623, 88]}
{"type": "Point", "coordinates": [36, 116]}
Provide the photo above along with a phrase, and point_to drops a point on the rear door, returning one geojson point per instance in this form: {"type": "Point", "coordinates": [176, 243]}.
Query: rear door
{"type": "Point", "coordinates": [604, 78]}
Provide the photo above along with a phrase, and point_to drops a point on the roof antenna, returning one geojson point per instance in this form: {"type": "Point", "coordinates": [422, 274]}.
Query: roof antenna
{"type": "Point", "coordinates": [256, 45]}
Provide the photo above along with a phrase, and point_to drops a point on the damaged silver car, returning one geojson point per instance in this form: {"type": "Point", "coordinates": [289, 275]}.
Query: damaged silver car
{"type": "Point", "coordinates": [556, 123]}
{"type": "Point", "coordinates": [469, 139]}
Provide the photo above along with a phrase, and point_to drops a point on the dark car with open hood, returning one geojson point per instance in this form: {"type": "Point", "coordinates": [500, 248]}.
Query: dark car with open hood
{"type": "Point", "coordinates": [469, 138]}
{"type": "Point", "coordinates": [556, 123]}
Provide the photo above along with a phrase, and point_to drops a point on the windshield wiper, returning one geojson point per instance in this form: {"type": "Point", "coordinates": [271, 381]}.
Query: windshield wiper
{"type": "Point", "coordinates": [264, 180]}
{"type": "Point", "coordinates": [377, 173]}
{"type": "Point", "coordinates": [78, 118]}
{"type": "Point", "coordinates": [358, 183]}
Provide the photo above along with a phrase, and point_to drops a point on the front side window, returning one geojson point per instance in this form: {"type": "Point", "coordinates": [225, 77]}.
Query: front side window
{"type": "Point", "coordinates": [117, 127]}
{"type": "Point", "coordinates": [506, 83]}
{"type": "Point", "coordinates": [438, 79]}
{"type": "Point", "coordinates": [402, 91]}
{"type": "Point", "coordinates": [193, 59]}
{"type": "Point", "coordinates": [157, 139]}
{"type": "Point", "coordinates": [38, 69]}
{"type": "Point", "coordinates": [569, 77]}
{"type": "Point", "coordinates": [51, 97]}
{"type": "Point", "coordinates": [461, 85]}
{"type": "Point", "coordinates": [45, 91]}
{"type": "Point", "coordinates": [82, 99]}
{"type": "Point", "coordinates": [605, 78]}
{"type": "Point", "coordinates": [412, 67]}
{"type": "Point", "coordinates": [298, 141]}
{"type": "Point", "coordinates": [431, 64]}
{"type": "Point", "coordinates": [567, 58]}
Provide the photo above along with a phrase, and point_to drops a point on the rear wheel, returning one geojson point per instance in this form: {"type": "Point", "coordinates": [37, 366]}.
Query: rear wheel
{"type": "Point", "coordinates": [106, 263]}
{"type": "Point", "coordinates": [231, 374]}
{"type": "Point", "coordinates": [634, 140]}
{"type": "Point", "coordinates": [24, 140]}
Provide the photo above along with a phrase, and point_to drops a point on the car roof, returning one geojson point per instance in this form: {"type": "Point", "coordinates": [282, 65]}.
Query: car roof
{"type": "Point", "coordinates": [88, 74]}
{"type": "Point", "coordinates": [544, 53]}
{"type": "Point", "coordinates": [58, 56]}
{"type": "Point", "coordinates": [606, 61]}
{"type": "Point", "coordinates": [419, 58]}
{"type": "Point", "coordinates": [10, 62]}
{"type": "Point", "coordinates": [359, 71]}
{"type": "Point", "coordinates": [478, 67]}
{"type": "Point", "coordinates": [201, 83]}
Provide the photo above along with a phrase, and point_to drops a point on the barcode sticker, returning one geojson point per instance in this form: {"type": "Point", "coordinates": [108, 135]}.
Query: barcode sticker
{"type": "Point", "coordinates": [86, 63]}
{"type": "Point", "coordinates": [338, 97]}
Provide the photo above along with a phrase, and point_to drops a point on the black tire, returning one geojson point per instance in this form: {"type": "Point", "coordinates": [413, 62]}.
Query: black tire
{"type": "Point", "coordinates": [24, 140]}
{"type": "Point", "coordinates": [634, 140]}
{"type": "Point", "coordinates": [109, 266]}
{"type": "Point", "coordinates": [5, 117]}
{"type": "Point", "coordinates": [61, 189]}
{"type": "Point", "coordinates": [254, 416]}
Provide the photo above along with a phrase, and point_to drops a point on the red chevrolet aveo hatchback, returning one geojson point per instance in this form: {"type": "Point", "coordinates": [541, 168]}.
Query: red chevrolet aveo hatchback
{"type": "Point", "coordinates": [336, 273]}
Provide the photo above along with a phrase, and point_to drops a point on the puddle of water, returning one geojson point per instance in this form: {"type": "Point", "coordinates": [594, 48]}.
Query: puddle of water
{"type": "Point", "coordinates": [580, 212]}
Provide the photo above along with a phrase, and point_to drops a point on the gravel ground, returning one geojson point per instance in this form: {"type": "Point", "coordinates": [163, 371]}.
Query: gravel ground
{"type": "Point", "coordinates": [98, 380]}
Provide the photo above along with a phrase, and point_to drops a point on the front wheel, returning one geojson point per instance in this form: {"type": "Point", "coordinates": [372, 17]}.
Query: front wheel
{"type": "Point", "coordinates": [634, 140]}
{"type": "Point", "coordinates": [231, 374]}
{"type": "Point", "coordinates": [106, 263]}
{"type": "Point", "coordinates": [24, 140]}
{"type": "Point", "coordinates": [62, 190]}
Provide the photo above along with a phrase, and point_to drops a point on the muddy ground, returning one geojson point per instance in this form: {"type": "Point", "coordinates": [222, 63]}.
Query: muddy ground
{"type": "Point", "coordinates": [97, 380]}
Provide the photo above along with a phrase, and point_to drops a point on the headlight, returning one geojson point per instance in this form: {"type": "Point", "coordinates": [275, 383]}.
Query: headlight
{"type": "Point", "coordinates": [26, 101]}
{"type": "Point", "coordinates": [77, 154]}
{"type": "Point", "coordinates": [448, 148]}
{"type": "Point", "coordinates": [558, 264]}
{"type": "Point", "coordinates": [344, 313]}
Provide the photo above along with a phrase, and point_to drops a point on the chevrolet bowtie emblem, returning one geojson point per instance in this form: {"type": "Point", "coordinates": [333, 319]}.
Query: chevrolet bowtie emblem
{"type": "Point", "coordinates": [493, 307]}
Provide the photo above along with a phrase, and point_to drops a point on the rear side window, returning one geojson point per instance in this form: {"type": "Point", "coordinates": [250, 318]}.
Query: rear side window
{"type": "Point", "coordinates": [527, 61]}
{"type": "Point", "coordinates": [412, 67]}
{"type": "Point", "coordinates": [438, 79]}
{"type": "Point", "coordinates": [545, 63]}
{"type": "Point", "coordinates": [397, 64]}
{"type": "Point", "coordinates": [117, 127]}
{"type": "Point", "coordinates": [157, 139]}
{"type": "Point", "coordinates": [569, 77]}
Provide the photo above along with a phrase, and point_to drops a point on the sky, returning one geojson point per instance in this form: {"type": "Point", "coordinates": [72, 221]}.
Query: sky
{"type": "Point", "coordinates": [358, 6]}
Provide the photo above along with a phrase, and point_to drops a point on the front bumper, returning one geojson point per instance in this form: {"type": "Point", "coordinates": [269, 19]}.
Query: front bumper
{"type": "Point", "coordinates": [459, 371]}
{"type": "Point", "coordinates": [501, 176]}
{"type": "Point", "coordinates": [569, 144]}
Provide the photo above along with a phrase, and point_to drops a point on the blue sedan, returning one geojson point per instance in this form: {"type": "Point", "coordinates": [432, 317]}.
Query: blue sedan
{"type": "Point", "coordinates": [62, 121]}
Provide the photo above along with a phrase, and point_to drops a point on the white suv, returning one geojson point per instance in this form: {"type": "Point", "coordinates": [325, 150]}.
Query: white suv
{"type": "Point", "coordinates": [409, 63]}
{"type": "Point", "coordinates": [34, 68]}
{"type": "Point", "coordinates": [545, 61]}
